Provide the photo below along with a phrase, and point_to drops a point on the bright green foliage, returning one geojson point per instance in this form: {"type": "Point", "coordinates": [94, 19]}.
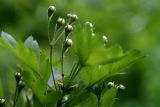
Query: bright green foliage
{"type": "Point", "coordinates": [95, 61]}
{"type": "Point", "coordinates": [36, 73]}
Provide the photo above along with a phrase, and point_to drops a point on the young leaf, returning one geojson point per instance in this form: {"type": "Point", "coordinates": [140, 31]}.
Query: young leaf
{"type": "Point", "coordinates": [104, 54]}
{"type": "Point", "coordinates": [109, 97]}
{"type": "Point", "coordinates": [7, 37]}
{"type": "Point", "coordinates": [31, 43]}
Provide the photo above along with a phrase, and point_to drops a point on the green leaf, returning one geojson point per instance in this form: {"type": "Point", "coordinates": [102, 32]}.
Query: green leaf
{"type": "Point", "coordinates": [31, 43]}
{"type": "Point", "coordinates": [26, 56]}
{"type": "Point", "coordinates": [90, 102]}
{"type": "Point", "coordinates": [77, 97]}
{"type": "Point", "coordinates": [7, 46]}
{"type": "Point", "coordinates": [109, 97]}
{"type": "Point", "coordinates": [92, 74]}
{"type": "Point", "coordinates": [44, 65]}
{"type": "Point", "coordinates": [81, 41]}
{"type": "Point", "coordinates": [104, 54]}
{"type": "Point", "coordinates": [7, 37]}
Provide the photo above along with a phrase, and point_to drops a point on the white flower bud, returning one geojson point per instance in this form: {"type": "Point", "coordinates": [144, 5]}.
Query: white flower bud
{"type": "Point", "coordinates": [110, 84]}
{"type": "Point", "coordinates": [2, 102]}
{"type": "Point", "coordinates": [68, 42]}
{"type": "Point", "coordinates": [21, 85]}
{"type": "Point", "coordinates": [74, 17]}
{"type": "Point", "coordinates": [60, 22]}
{"type": "Point", "coordinates": [68, 29]}
{"type": "Point", "coordinates": [121, 87]}
{"type": "Point", "coordinates": [51, 10]}
{"type": "Point", "coordinates": [89, 24]}
{"type": "Point", "coordinates": [105, 39]}
{"type": "Point", "coordinates": [69, 15]}
{"type": "Point", "coordinates": [17, 77]}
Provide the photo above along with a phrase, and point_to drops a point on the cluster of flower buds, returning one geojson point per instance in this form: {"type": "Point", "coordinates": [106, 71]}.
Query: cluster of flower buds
{"type": "Point", "coordinates": [19, 81]}
{"type": "Point", "coordinates": [72, 17]}
{"type": "Point", "coordinates": [60, 22]}
{"type": "Point", "coordinates": [51, 11]}
{"type": "Point", "coordinates": [2, 102]}
{"type": "Point", "coordinates": [119, 87]}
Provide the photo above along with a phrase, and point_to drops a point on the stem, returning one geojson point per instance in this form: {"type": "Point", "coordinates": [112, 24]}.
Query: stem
{"type": "Point", "coordinates": [51, 49]}
{"type": "Point", "coordinates": [62, 58]}
{"type": "Point", "coordinates": [49, 39]}
{"type": "Point", "coordinates": [99, 101]}
{"type": "Point", "coordinates": [15, 97]}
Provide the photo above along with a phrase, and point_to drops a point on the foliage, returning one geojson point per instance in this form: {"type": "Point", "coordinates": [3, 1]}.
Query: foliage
{"type": "Point", "coordinates": [92, 61]}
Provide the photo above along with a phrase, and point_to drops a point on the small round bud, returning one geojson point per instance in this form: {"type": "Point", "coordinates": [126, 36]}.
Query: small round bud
{"type": "Point", "coordinates": [68, 42]}
{"type": "Point", "coordinates": [110, 84]}
{"type": "Point", "coordinates": [89, 24]}
{"type": "Point", "coordinates": [121, 87]}
{"type": "Point", "coordinates": [104, 38]}
{"type": "Point", "coordinates": [18, 77]}
{"type": "Point", "coordinates": [69, 15]}
{"type": "Point", "coordinates": [60, 22]}
{"type": "Point", "coordinates": [73, 17]}
{"type": "Point", "coordinates": [51, 10]}
{"type": "Point", "coordinates": [2, 102]}
{"type": "Point", "coordinates": [68, 29]}
{"type": "Point", "coordinates": [21, 85]}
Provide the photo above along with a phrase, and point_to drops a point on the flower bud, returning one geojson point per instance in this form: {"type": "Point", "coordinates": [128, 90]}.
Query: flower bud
{"type": "Point", "coordinates": [73, 17]}
{"type": "Point", "coordinates": [121, 87]}
{"type": "Point", "coordinates": [68, 42]}
{"type": "Point", "coordinates": [68, 29]}
{"type": "Point", "coordinates": [18, 77]}
{"type": "Point", "coordinates": [21, 85]}
{"type": "Point", "coordinates": [51, 10]}
{"type": "Point", "coordinates": [69, 15]}
{"type": "Point", "coordinates": [2, 102]}
{"type": "Point", "coordinates": [105, 39]}
{"type": "Point", "coordinates": [110, 84]}
{"type": "Point", "coordinates": [60, 22]}
{"type": "Point", "coordinates": [89, 24]}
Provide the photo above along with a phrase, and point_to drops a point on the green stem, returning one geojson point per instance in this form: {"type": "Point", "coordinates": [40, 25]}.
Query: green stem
{"type": "Point", "coordinates": [51, 52]}
{"type": "Point", "coordinates": [62, 59]}
{"type": "Point", "coordinates": [99, 101]}
{"type": "Point", "coordinates": [15, 97]}
{"type": "Point", "coordinates": [49, 39]}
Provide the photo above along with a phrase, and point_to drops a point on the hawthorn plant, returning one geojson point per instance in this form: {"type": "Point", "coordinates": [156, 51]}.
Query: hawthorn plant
{"type": "Point", "coordinates": [73, 72]}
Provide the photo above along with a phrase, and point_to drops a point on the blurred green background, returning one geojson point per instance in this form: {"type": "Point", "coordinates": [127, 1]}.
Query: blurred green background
{"type": "Point", "coordinates": [131, 23]}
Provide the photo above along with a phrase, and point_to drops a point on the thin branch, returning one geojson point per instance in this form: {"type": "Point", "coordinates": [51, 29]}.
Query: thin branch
{"type": "Point", "coordinates": [15, 97]}
{"type": "Point", "coordinates": [51, 50]}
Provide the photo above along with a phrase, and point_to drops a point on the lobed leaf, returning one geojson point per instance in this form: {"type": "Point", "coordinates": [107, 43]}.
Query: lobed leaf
{"type": "Point", "coordinates": [92, 74]}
